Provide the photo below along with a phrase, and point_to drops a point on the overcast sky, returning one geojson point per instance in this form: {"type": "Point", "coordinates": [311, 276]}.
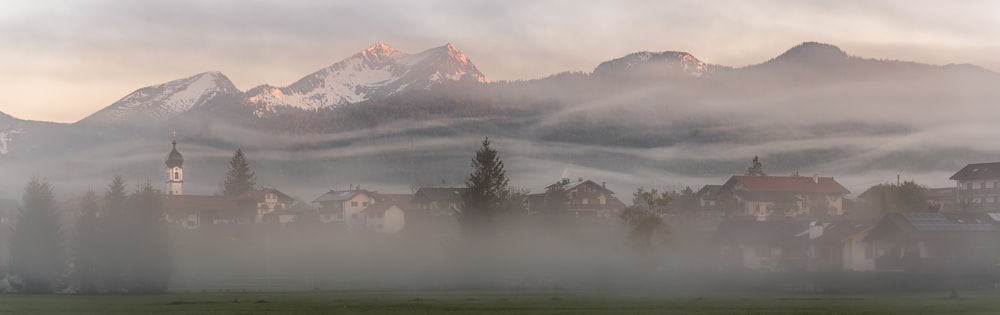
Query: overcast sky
{"type": "Point", "coordinates": [62, 60]}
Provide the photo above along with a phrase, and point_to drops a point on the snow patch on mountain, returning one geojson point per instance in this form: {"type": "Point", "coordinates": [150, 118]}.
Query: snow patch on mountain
{"type": "Point", "coordinates": [163, 101]}
{"type": "Point", "coordinates": [377, 71]}
{"type": "Point", "coordinates": [6, 138]}
{"type": "Point", "coordinates": [666, 63]}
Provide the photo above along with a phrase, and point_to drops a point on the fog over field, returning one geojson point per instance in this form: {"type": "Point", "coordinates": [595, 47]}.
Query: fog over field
{"type": "Point", "coordinates": [649, 167]}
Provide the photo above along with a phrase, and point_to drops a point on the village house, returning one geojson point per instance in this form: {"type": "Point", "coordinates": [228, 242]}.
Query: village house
{"type": "Point", "coordinates": [438, 201]}
{"type": "Point", "coordinates": [942, 199]}
{"type": "Point", "coordinates": [344, 206]}
{"type": "Point", "coordinates": [791, 245]}
{"type": "Point", "coordinates": [766, 197]}
{"type": "Point", "coordinates": [837, 246]}
{"type": "Point", "coordinates": [758, 245]}
{"type": "Point", "coordinates": [978, 187]}
{"type": "Point", "coordinates": [582, 198]}
{"type": "Point", "coordinates": [362, 210]}
{"type": "Point", "coordinates": [931, 241]}
{"type": "Point", "coordinates": [257, 206]}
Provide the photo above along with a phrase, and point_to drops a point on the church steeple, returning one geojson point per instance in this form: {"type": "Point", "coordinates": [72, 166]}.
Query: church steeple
{"type": "Point", "coordinates": [175, 173]}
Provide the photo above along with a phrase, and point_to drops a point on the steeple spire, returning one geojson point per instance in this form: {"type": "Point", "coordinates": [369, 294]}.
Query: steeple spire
{"type": "Point", "coordinates": [175, 170]}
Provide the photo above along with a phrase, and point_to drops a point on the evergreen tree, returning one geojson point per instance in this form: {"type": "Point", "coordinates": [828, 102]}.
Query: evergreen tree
{"type": "Point", "coordinates": [239, 178]}
{"type": "Point", "coordinates": [86, 247]}
{"type": "Point", "coordinates": [38, 257]}
{"type": "Point", "coordinates": [756, 169]}
{"type": "Point", "coordinates": [486, 189]}
{"type": "Point", "coordinates": [149, 255]}
{"type": "Point", "coordinates": [113, 225]}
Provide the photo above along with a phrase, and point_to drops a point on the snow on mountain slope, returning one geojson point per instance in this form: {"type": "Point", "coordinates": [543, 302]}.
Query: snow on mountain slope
{"type": "Point", "coordinates": [161, 102]}
{"type": "Point", "coordinates": [377, 71]}
{"type": "Point", "coordinates": [640, 64]}
{"type": "Point", "coordinates": [9, 128]}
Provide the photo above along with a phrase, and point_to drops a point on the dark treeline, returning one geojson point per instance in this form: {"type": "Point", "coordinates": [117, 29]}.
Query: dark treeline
{"type": "Point", "coordinates": [119, 244]}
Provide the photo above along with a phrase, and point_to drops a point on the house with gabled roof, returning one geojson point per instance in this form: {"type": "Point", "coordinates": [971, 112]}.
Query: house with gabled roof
{"type": "Point", "coordinates": [582, 198]}
{"type": "Point", "coordinates": [758, 245]}
{"type": "Point", "coordinates": [344, 206]}
{"type": "Point", "coordinates": [786, 196]}
{"type": "Point", "coordinates": [978, 187]}
{"type": "Point", "coordinates": [438, 201]}
{"type": "Point", "coordinates": [931, 241]}
{"type": "Point", "coordinates": [259, 205]}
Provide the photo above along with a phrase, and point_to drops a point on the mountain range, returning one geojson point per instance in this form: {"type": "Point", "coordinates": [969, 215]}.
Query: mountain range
{"type": "Point", "coordinates": [376, 114]}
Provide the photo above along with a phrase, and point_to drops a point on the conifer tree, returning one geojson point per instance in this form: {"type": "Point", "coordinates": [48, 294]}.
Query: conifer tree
{"type": "Point", "coordinates": [486, 189]}
{"type": "Point", "coordinates": [38, 257]}
{"type": "Point", "coordinates": [756, 168]}
{"type": "Point", "coordinates": [148, 265]}
{"type": "Point", "coordinates": [113, 225]}
{"type": "Point", "coordinates": [86, 247]}
{"type": "Point", "coordinates": [239, 178]}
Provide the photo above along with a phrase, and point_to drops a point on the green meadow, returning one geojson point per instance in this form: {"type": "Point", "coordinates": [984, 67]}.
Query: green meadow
{"type": "Point", "coordinates": [475, 302]}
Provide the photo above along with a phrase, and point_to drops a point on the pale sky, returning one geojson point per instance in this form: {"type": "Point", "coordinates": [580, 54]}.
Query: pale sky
{"type": "Point", "coordinates": [62, 60]}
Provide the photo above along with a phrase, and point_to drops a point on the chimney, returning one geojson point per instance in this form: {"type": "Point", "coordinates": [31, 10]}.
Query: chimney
{"type": "Point", "coordinates": [815, 229]}
{"type": "Point", "coordinates": [815, 178]}
{"type": "Point", "coordinates": [565, 180]}
{"type": "Point", "coordinates": [604, 184]}
{"type": "Point", "coordinates": [579, 179]}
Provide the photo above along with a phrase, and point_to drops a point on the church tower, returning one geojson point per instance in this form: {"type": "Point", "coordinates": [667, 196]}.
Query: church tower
{"type": "Point", "coordinates": [175, 173]}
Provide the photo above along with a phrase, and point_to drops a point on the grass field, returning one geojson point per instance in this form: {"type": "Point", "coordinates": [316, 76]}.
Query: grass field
{"type": "Point", "coordinates": [555, 302]}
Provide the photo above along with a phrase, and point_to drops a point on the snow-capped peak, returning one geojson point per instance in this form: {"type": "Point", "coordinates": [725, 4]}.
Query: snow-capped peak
{"type": "Point", "coordinates": [163, 101]}
{"type": "Point", "coordinates": [377, 71]}
{"type": "Point", "coordinates": [380, 49]}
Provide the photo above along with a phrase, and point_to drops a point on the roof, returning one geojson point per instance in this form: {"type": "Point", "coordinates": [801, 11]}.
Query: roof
{"type": "Point", "coordinates": [174, 158]}
{"type": "Point", "coordinates": [934, 225]}
{"type": "Point", "coordinates": [792, 184]}
{"type": "Point", "coordinates": [709, 192]}
{"type": "Point", "coordinates": [978, 171]}
{"type": "Point", "coordinates": [839, 231]}
{"type": "Point", "coordinates": [438, 194]}
{"type": "Point", "coordinates": [340, 195]}
{"type": "Point", "coordinates": [259, 194]}
{"type": "Point", "coordinates": [567, 186]}
{"type": "Point", "coordinates": [773, 196]}
{"type": "Point", "coordinates": [200, 203]}
{"type": "Point", "coordinates": [404, 201]}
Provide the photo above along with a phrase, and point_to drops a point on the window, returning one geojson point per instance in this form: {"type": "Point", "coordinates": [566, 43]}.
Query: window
{"type": "Point", "coordinates": [354, 203]}
{"type": "Point", "coordinates": [982, 185]}
{"type": "Point", "coordinates": [364, 204]}
{"type": "Point", "coordinates": [177, 175]}
{"type": "Point", "coordinates": [586, 201]}
{"type": "Point", "coordinates": [968, 185]}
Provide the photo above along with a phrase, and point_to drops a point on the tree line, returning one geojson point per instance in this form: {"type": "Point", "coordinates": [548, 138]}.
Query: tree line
{"type": "Point", "coordinates": [118, 244]}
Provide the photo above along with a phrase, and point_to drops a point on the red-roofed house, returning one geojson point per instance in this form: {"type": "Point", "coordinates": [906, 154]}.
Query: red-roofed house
{"type": "Point", "coordinates": [255, 206]}
{"type": "Point", "coordinates": [768, 196]}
